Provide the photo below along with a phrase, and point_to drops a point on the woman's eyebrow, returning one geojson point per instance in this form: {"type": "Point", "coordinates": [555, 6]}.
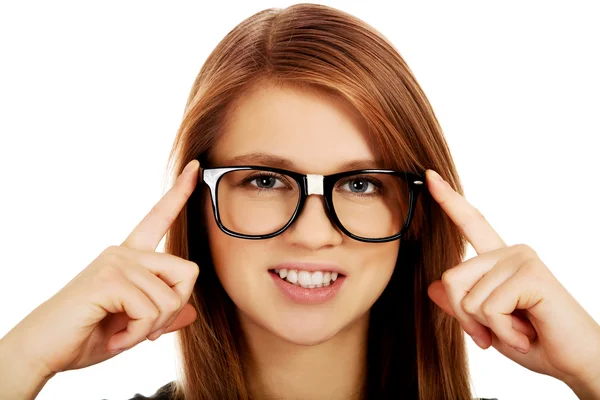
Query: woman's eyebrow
{"type": "Point", "coordinates": [361, 164]}
{"type": "Point", "coordinates": [262, 159]}
{"type": "Point", "coordinates": [280, 162]}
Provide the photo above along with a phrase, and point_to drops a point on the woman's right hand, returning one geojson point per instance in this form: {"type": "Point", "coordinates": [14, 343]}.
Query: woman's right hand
{"type": "Point", "coordinates": [125, 295]}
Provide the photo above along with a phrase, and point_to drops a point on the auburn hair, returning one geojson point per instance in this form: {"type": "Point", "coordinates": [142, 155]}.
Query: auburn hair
{"type": "Point", "coordinates": [415, 350]}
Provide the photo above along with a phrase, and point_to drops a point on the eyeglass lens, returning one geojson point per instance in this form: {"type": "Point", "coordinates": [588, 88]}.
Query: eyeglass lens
{"type": "Point", "coordinates": [258, 202]}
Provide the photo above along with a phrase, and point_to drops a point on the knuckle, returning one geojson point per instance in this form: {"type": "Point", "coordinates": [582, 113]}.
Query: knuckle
{"type": "Point", "coordinates": [525, 250]}
{"type": "Point", "coordinates": [530, 265]}
{"type": "Point", "coordinates": [152, 315]}
{"type": "Point", "coordinates": [107, 276]}
{"type": "Point", "coordinates": [533, 273]}
{"type": "Point", "coordinates": [112, 249]}
{"type": "Point", "coordinates": [110, 273]}
{"type": "Point", "coordinates": [529, 260]}
{"type": "Point", "coordinates": [487, 310]}
{"type": "Point", "coordinates": [172, 304]}
{"type": "Point", "coordinates": [469, 305]}
{"type": "Point", "coordinates": [194, 268]}
{"type": "Point", "coordinates": [112, 255]}
{"type": "Point", "coordinates": [449, 277]}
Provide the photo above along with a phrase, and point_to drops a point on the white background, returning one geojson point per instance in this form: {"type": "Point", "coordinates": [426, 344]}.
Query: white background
{"type": "Point", "coordinates": [91, 95]}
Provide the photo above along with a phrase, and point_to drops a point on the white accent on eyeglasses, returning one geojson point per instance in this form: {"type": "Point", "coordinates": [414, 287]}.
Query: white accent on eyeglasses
{"type": "Point", "coordinates": [315, 184]}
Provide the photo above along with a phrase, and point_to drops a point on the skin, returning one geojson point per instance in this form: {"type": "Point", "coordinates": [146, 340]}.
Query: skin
{"type": "Point", "coordinates": [505, 297]}
{"type": "Point", "coordinates": [297, 348]}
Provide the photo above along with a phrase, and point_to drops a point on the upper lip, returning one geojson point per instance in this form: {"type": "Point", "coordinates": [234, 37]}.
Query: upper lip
{"type": "Point", "coordinates": [308, 266]}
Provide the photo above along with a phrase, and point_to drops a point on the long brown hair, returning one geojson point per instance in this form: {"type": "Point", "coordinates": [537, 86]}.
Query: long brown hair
{"type": "Point", "coordinates": [414, 349]}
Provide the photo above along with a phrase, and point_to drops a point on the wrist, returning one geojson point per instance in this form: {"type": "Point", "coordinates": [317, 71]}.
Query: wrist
{"type": "Point", "coordinates": [588, 387]}
{"type": "Point", "coordinates": [21, 377]}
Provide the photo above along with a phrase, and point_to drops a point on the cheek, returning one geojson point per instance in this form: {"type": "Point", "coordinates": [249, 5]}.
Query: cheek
{"type": "Point", "coordinates": [378, 262]}
{"type": "Point", "coordinates": [218, 243]}
{"type": "Point", "coordinates": [236, 261]}
{"type": "Point", "coordinates": [216, 238]}
{"type": "Point", "coordinates": [386, 258]}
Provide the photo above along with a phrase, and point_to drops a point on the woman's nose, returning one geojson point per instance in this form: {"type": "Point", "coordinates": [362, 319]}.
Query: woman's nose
{"type": "Point", "coordinates": [313, 228]}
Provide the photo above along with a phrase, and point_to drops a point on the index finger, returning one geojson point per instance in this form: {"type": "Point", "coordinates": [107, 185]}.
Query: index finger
{"type": "Point", "coordinates": [149, 232]}
{"type": "Point", "coordinates": [469, 220]}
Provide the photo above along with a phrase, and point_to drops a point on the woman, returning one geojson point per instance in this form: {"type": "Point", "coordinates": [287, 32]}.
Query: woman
{"type": "Point", "coordinates": [309, 235]}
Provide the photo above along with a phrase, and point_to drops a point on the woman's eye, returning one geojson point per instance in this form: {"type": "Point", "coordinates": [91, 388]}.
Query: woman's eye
{"type": "Point", "coordinates": [358, 185]}
{"type": "Point", "coordinates": [267, 182]}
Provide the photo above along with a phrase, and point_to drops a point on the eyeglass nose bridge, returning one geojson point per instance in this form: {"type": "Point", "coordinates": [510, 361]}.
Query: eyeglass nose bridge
{"type": "Point", "coordinates": [314, 184]}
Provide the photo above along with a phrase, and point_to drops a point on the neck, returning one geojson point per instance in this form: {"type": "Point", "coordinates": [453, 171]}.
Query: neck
{"type": "Point", "coordinates": [278, 369]}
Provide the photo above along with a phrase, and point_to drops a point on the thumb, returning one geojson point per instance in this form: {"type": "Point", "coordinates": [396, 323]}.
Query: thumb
{"type": "Point", "coordinates": [186, 316]}
{"type": "Point", "coordinates": [437, 293]}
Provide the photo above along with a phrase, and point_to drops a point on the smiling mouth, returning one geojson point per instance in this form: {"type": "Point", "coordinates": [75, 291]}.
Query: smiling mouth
{"type": "Point", "coordinates": [307, 279]}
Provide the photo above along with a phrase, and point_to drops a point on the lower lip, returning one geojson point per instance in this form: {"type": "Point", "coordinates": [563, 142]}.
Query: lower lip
{"type": "Point", "coordinates": [301, 295]}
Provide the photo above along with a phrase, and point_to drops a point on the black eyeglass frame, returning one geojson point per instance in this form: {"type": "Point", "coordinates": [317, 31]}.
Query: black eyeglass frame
{"type": "Point", "coordinates": [212, 175]}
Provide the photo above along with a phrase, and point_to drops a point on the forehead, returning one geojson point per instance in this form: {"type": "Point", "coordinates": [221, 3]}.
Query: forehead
{"type": "Point", "coordinates": [315, 131]}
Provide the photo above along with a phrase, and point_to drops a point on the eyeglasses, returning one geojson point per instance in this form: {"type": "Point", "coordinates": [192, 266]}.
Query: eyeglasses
{"type": "Point", "coordinates": [257, 202]}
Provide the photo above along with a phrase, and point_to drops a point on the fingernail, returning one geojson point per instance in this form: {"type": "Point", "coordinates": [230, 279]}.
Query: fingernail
{"type": "Point", "coordinates": [521, 350]}
{"type": "Point", "coordinates": [189, 167]}
{"type": "Point", "coordinates": [116, 351]}
{"type": "Point", "coordinates": [156, 335]}
{"type": "Point", "coordinates": [478, 341]}
{"type": "Point", "coordinates": [436, 176]}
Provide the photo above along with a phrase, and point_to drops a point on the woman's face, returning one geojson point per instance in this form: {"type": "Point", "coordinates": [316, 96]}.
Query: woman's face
{"type": "Point", "coordinates": [314, 134]}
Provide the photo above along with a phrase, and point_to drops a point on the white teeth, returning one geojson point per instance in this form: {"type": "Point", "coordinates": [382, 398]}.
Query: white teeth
{"type": "Point", "coordinates": [292, 276]}
{"type": "Point", "coordinates": [307, 279]}
{"type": "Point", "coordinates": [304, 278]}
{"type": "Point", "coordinates": [317, 278]}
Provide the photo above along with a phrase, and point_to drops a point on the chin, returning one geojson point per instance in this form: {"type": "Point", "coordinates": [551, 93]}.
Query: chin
{"type": "Point", "coordinates": [297, 326]}
{"type": "Point", "coordinates": [306, 334]}
{"type": "Point", "coordinates": [308, 328]}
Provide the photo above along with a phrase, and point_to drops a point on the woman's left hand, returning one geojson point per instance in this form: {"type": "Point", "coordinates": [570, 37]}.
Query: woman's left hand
{"type": "Point", "coordinates": [507, 298]}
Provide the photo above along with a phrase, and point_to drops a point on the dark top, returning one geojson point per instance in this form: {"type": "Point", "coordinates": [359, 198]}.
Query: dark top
{"type": "Point", "coordinates": [164, 393]}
